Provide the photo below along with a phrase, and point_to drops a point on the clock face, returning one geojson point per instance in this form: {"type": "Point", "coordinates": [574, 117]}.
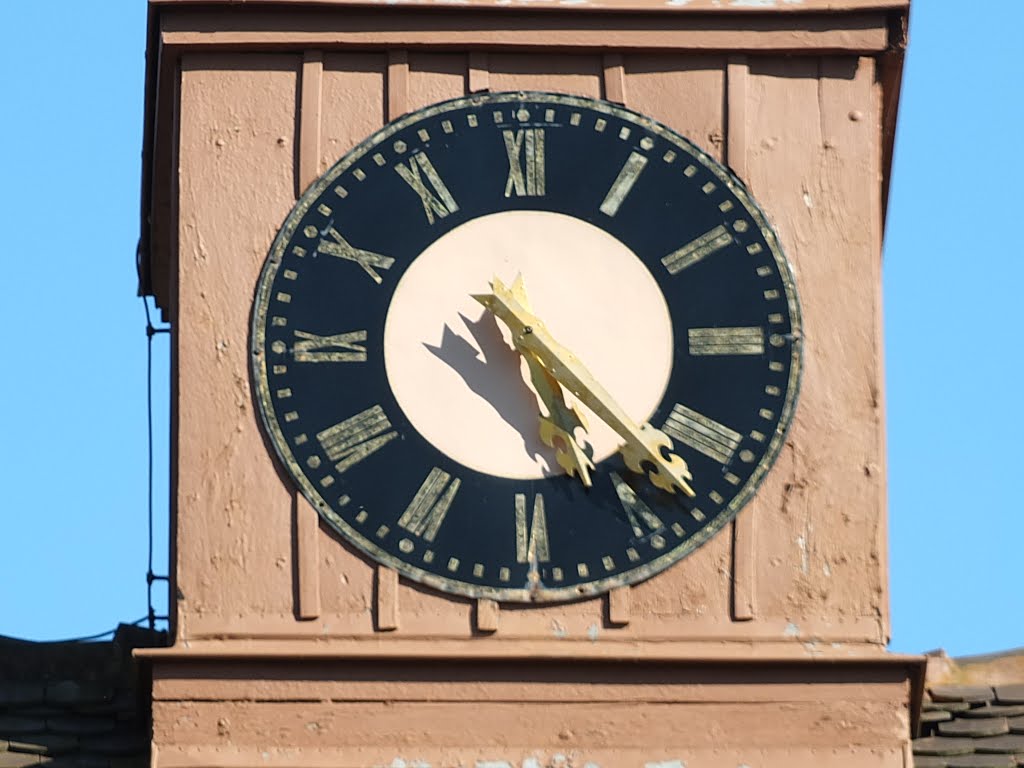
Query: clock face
{"type": "Point", "coordinates": [410, 415]}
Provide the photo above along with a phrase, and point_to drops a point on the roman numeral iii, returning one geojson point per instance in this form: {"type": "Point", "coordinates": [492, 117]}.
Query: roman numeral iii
{"type": "Point", "coordinates": [525, 180]}
{"type": "Point", "coordinates": [726, 341]}
{"type": "Point", "coordinates": [427, 510]}
{"type": "Point", "coordinates": [354, 439]}
{"type": "Point", "coordinates": [531, 535]}
{"type": "Point", "coordinates": [339, 348]}
{"type": "Point", "coordinates": [438, 201]}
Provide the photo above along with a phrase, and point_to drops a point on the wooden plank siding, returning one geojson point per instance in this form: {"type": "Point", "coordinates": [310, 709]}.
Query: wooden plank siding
{"type": "Point", "coordinates": [810, 138]}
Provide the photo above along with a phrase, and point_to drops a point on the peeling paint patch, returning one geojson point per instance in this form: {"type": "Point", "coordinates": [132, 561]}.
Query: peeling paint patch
{"type": "Point", "coordinates": [791, 630]}
{"type": "Point", "coordinates": [666, 764]}
{"type": "Point", "coordinates": [493, 764]}
{"type": "Point", "coordinates": [753, 3]}
{"type": "Point", "coordinates": [592, 632]}
{"type": "Point", "coordinates": [558, 630]}
{"type": "Point", "coordinates": [805, 564]}
{"type": "Point", "coordinates": [678, 3]}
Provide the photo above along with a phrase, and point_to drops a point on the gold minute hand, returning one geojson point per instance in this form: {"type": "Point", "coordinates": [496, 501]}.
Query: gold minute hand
{"type": "Point", "coordinates": [643, 443]}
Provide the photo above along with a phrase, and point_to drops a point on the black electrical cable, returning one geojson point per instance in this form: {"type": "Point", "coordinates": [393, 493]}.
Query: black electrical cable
{"type": "Point", "coordinates": [151, 331]}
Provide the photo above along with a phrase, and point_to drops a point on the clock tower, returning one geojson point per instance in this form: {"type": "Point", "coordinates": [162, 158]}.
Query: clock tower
{"type": "Point", "coordinates": [527, 389]}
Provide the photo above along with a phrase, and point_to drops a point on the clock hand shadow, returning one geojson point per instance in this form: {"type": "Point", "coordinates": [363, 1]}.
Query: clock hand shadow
{"type": "Point", "coordinates": [494, 373]}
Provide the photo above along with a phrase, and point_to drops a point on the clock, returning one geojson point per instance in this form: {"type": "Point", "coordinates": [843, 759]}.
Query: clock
{"type": "Point", "coordinates": [526, 346]}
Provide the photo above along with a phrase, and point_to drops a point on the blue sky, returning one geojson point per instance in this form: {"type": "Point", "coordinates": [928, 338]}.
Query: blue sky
{"type": "Point", "coordinates": [73, 437]}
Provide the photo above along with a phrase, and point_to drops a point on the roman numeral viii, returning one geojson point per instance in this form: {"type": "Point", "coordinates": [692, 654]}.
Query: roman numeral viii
{"type": "Point", "coordinates": [354, 439]}
{"type": "Point", "coordinates": [525, 180]}
{"type": "Point", "coordinates": [436, 201]}
{"type": "Point", "coordinates": [531, 536]}
{"type": "Point", "coordinates": [427, 510]}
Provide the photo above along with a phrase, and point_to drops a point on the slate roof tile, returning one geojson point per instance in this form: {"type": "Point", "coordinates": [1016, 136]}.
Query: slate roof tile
{"type": "Point", "coordinates": [1007, 745]}
{"type": "Point", "coordinates": [1010, 694]}
{"type": "Point", "coordinates": [988, 726]}
{"type": "Point", "coordinates": [44, 744]}
{"type": "Point", "coordinates": [982, 761]}
{"type": "Point", "coordinates": [968, 693]}
{"type": "Point", "coordinates": [17, 760]}
{"type": "Point", "coordinates": [17, 693]}
{"type": "Point", "coordinates": [942, 745]}
{"type": "Point", "coordinates": [75, 705]}
{"type": "Point", "coordinates": [78, 693]}
{"type": "Point", "coordinates": [80, 726]}
{"type": "Point", "coordinates": [116, 744]}
{"type": "Point", "coordinates": [996, 710]}
{"type": "Point", "coordinates": [945, 706]}
{"type": "Point", "coordinates": [19, 725]}
{"type": "Point", "coordinates": [971, 727]}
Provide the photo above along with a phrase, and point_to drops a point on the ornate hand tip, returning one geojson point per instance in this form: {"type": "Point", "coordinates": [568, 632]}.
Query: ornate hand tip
{"type": "Point", "coordinates": [669, 473]}
{"type": "Point", "coordinates": [487, 299]}
{"type": "Point", "coordinates": [518, 290]}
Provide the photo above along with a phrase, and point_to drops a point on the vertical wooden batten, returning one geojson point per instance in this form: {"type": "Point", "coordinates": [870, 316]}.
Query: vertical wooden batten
{"type": "Point", "coordinates": [397, 84]}
{"type": "Point", "coordinates": [488, 613]}
{"type": "Point", "coordinates": [743, 553]}
{"type": "Point", "coordinates": [614, 78]}
{"type": "Point", "coordinates": [307, 558]}
{"type": "Point", "coordinates": [619, 606]}
{"type": "Point", "coordinates": [479, 77]}
{"type": "Point", "coordinates": [387, 599]}
{"type": "Point", "coordinates": [307, 523]}
{"type": "Point", "coordinates": [310, 98]}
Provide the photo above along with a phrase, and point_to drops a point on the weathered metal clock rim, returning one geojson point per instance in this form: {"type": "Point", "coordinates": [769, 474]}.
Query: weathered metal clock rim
{"type": "Point", "coordinates": [268, 409]}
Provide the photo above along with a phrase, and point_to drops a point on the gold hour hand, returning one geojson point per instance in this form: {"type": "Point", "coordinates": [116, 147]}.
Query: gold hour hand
{"type": "Point", "coordinates": [645, 449]}
{"type": "Point", "coordinates": [558, 428]}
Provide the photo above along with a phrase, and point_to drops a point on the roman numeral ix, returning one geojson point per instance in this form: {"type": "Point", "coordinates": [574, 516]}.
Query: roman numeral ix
{"type": "Point", "coordinates": [339, 348]}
